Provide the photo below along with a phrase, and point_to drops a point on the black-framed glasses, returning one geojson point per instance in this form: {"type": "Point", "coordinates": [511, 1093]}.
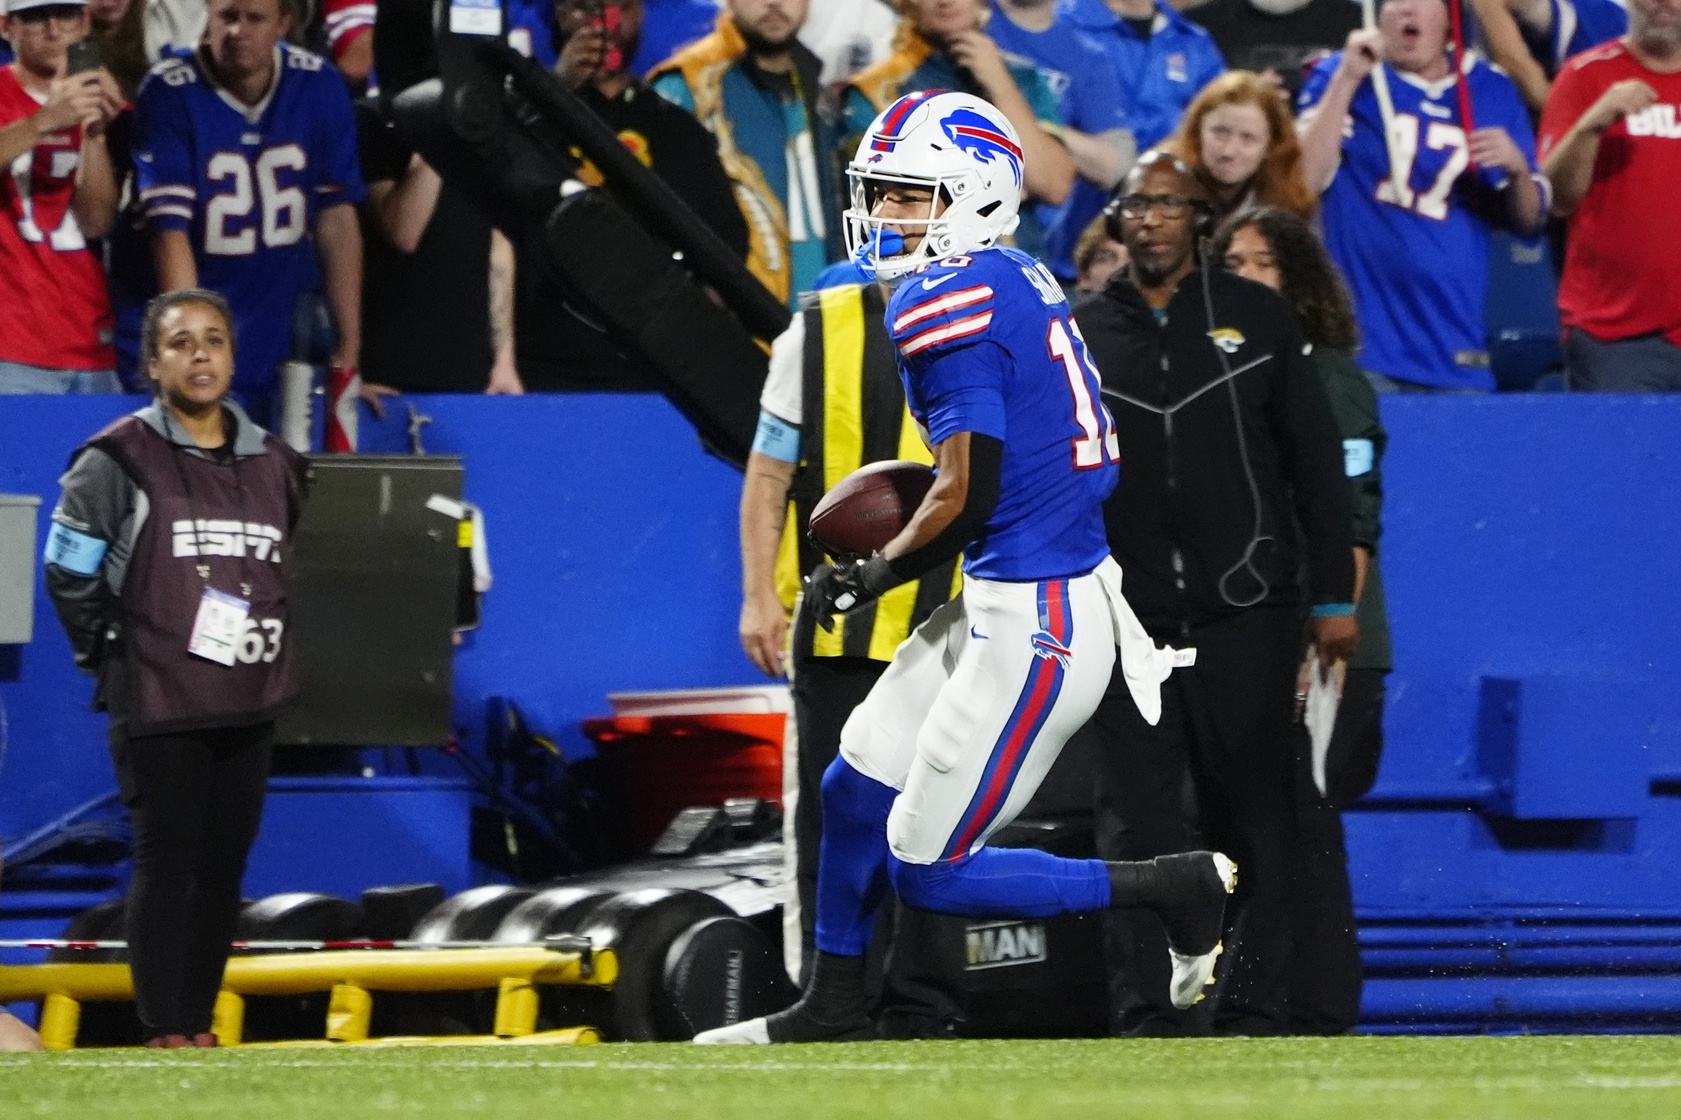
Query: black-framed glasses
{"type": "Point", "coordinates": [1134, 207]}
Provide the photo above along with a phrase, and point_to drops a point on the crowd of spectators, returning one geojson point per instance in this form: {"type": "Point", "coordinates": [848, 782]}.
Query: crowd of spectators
{"type": "Point", "coordinates": [160, 144]}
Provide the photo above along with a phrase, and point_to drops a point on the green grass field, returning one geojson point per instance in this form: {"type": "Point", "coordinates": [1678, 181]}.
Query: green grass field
{"type": "Point", "coordinates": [1417, 1078]}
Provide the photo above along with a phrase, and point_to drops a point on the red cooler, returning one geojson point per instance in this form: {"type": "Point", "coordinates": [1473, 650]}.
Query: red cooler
{"type": "Point", "coordinates": [697, 746]}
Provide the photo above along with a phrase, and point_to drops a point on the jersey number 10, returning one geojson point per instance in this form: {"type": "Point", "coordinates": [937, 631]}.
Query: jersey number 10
{"type": "Point", "coordinates": [284, 209]}
{"type": "Point", "coordinates": [1097, 445]}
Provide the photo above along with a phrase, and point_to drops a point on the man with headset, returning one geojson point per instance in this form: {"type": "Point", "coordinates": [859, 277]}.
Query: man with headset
{"type": "Point", "coordinates": [1232, 485]}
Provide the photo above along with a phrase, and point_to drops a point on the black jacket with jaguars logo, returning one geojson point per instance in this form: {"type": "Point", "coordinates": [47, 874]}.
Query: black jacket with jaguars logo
{"type": "Point", "coordinates": [1221, 385]}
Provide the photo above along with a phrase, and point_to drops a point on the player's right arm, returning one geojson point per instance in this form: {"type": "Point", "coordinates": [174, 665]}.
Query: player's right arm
{"type": "Point", "coordinates": [941, 325]}
{"type": "Point", "coordinates": [1324, 107]}
{"type": "Point", "coordinates": [955, 509]}
{"type": "Point", "coordinates": [955, 376]}
{"type": "Point", "coordinates": [951, 516]}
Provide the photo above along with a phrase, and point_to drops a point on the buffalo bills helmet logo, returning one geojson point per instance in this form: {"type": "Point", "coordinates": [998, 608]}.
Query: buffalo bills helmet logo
{"type": "Point", "coordinates": [894, 121]}
{"type": "Point", "coordinates": [982, 139]}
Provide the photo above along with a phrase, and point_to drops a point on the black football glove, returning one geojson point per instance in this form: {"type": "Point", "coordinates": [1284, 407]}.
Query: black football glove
{"type": "Point", "coordinates": [833, 589]}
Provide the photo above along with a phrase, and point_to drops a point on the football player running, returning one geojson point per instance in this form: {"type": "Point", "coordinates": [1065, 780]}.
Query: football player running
{"type": "Point", "coordinates": [976, 705]}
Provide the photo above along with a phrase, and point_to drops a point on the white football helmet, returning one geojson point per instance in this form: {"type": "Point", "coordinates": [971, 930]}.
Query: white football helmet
{"type": "Point", "coordinates": [957, 145]}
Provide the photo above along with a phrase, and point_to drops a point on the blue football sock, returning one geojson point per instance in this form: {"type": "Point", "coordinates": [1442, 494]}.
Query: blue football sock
{"type": "Point", "coordinates": [1004, 883]}
{"type": "Point", "coordinates": [852, 862]}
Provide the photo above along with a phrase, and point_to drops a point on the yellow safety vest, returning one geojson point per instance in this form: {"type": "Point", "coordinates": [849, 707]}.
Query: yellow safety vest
{"type": "Point", "coordinates": [853, 413]}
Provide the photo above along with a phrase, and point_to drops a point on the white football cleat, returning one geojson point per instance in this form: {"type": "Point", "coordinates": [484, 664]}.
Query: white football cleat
{"type": "Point", "coordinates": [1190, 976]}
{"type": "Point", "coordinates": [752, 1032]}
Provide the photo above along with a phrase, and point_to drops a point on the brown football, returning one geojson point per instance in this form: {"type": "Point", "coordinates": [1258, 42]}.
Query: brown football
{"type": "Point", "coordinates": [869, 507]}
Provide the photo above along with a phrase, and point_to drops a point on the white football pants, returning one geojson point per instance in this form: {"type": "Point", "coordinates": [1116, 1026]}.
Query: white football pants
{"type": "Point", "coordinates": [979, 701]}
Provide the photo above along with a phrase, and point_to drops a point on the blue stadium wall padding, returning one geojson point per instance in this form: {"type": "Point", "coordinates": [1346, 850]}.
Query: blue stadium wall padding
{"type": "Point", "coordinates": [1564, 1003]}
{"type": "Point", "coordinates": [1530, 537]}
{"type": "Point", "coordinates": [1565, 748]}
{"type": "Point", "coordinates": [1531, 551]}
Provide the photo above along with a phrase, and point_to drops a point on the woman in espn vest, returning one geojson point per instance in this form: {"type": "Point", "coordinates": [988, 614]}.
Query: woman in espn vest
{"type": "Point", "coordinates": [168, 562]}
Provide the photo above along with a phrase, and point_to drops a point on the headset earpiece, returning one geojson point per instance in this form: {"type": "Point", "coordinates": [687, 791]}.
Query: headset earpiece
{"type": "Point", "coordinates": [1112, 218]}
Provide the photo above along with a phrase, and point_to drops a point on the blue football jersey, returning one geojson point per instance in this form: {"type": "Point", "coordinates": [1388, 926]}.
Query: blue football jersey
{"type": "Point", "coordinates": [987, 345]}
{"type": "Point", "coordinates": [1580, 25]}
{"type": "Point", "coordinates": [245, 184]}
{"type": "Point", "coordinates": [1416, 261]}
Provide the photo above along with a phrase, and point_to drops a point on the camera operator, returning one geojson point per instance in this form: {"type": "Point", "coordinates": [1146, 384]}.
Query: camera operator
{"type": "Point", "coordinates": [169, 563]}
{"type": "Point", "coordinates": [1229, 446]}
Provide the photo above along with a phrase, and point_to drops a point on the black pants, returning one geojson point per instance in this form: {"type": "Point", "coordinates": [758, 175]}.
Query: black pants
{"type": "Point", "coordinates": [1225, 729]}
{"type": "Point", "coordinates": [1325, 972]}
{"type": "Point", "coordinates": [196, 799]}
{"type": "Point", "coordinates": [825, 690]}
{"type": "Point", "coordinates": [913, 963]}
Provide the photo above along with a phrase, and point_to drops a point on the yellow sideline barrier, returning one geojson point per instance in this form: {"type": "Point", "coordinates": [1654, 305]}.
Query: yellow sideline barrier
{"type": "Point", "coordinates": [351, 976]}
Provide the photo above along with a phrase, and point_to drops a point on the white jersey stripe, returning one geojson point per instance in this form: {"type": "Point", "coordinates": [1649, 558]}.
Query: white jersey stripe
{"type": "Point", "coordinates": [963, 297]}
{"type": "Point", "coordinates": [974, 324]}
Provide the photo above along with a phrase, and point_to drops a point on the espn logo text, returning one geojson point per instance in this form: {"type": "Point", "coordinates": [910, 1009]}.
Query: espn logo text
{"type": "Point", "coordinates": [1662, 121]}
{"type": "Point", "coordinates": [1002, 944]}
{"type": "Point", "coordinates": [208, 537]}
